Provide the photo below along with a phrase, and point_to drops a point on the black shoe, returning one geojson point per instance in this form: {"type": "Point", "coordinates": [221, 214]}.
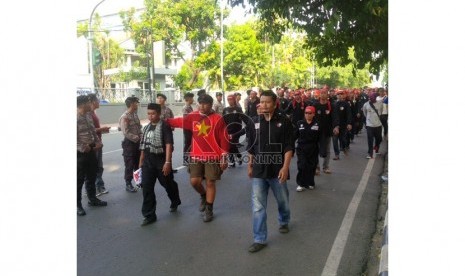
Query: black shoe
{"type": "Point", "coordinates": [101, 191]}
{"type": "Point", "coordinates": [174, 207]}
{"type": "Point", "coordinates": [130, 188]}
{"type": "Point", "coordinates": [255, 247]}
{"type": "Point", "coordinates": [208, 215]}
{"type": "Point", "coordinates": [149, 220]}
{"type": "Point", "coordinates": [203, 201]}
{"type": "Point", "coordinates": [284, 229]}
{"type": "Point", "coordinates": [97, 202]}
{"type": "Point", "coordinates": [80, 211]}
{"type": "Point", "coordinates": [174, 170]}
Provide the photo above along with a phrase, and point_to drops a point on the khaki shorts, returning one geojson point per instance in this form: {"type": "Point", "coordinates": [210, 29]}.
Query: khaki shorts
{"type": "Point", "coordinates": [211, 171]}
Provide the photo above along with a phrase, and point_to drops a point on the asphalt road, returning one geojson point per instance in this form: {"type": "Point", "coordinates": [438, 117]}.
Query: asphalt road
{"type": "Point", "coordinates": [330, 228]}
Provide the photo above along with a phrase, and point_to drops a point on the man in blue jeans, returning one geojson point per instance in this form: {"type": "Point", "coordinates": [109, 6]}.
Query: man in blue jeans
{"type": "Point", "coordinates": [270, 148]}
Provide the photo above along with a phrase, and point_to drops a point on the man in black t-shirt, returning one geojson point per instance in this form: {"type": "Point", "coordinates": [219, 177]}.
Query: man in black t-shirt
{"type": "Point", "coordinates": [270, 148]}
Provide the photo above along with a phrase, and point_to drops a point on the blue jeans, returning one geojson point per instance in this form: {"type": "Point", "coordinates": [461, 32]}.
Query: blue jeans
{"type": "Point", "coordinates": [260, 189]}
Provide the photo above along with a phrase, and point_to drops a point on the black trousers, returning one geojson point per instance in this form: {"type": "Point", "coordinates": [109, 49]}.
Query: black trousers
{"type": "Point", "coordinates": [233, 150]}
{"type": "Point", "coordinates": [86, 170]}
{"type": "Point", "coordinates": [373, 132]}
{"type": "Point", "coordinates": [151, 171]}
{"type": "Point", "coordinates": [384, 121]}
{"type": "Point", "coordinates": [307, 162]}
{"type": "Point", "coordinates": [187, 145]}
{"type": "Point", "coordinates": [131, 155]}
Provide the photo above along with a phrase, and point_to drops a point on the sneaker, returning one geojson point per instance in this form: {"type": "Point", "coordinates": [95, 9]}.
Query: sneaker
{"type": "Point", "coordinates": [208, 215]}
{"type": "Point", "coordinates": [97, 202]}
{"type": "Point", "coordinates": [231, 165]}
{"type": "Point", "coordinates": [203, 202]}
{"type": "Point", "coordinates": [369, 156]}
{"type": "Point", "coordinates": [300, 188]}
{"type": "Point", "coordinates": [284, 229]}
{"type": "Point", "coordinates": [130, 188]}
{"type": "Point", "coordinates": [311, 187]}
{"type": "Point", "coordinates": [255, 247]}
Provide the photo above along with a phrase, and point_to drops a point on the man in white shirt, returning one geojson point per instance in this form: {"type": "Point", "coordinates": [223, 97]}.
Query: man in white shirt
{"type": "Point", "coordinates": [372, 111]}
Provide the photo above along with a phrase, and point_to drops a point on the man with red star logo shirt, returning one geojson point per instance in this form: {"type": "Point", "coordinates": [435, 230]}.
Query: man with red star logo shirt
{"type": "Point", "coordinates": [209, 150]}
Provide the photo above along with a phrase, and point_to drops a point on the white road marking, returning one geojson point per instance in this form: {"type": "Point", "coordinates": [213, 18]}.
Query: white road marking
{"type": "Point", "coordinates": [334, 258]}
{"type": "Point", "coordinates": [112, 151]}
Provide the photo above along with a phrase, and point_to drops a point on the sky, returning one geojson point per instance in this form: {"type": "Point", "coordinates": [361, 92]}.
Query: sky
{"type": "Point", "coordinates": [84, 8]}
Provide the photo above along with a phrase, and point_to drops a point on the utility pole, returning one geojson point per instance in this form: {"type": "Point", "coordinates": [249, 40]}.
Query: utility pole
{"type": "Point", "coordinates": [91, 54]}
{"type": "Point", "coordinates": [222, 54]}
{"type": "Point", "coordinates": [149, 75]}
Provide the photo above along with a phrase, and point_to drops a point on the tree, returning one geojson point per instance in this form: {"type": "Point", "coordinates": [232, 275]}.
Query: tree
{"type": "Point", "coordinates": [106, 53]}
{"type": "Point", "coordinates": [175, 22]}
{"type": "Point", "coordinates": [332, 27]}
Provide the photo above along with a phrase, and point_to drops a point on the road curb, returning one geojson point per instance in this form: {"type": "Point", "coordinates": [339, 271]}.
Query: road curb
{"type": "Point", "coordinates": [383, 263]}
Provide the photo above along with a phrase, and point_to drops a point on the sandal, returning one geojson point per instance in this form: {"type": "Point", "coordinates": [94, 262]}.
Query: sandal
{"type": "Point", "coordinates": [327, 170]}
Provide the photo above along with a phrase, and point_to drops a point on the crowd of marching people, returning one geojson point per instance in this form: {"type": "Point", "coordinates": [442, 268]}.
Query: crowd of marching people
{"type": "Point", "coordinates": [278, 125]}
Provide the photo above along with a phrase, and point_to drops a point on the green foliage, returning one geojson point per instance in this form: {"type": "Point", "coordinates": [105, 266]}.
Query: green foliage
{"type": "Point", "coordinates": [136, 73]}
{"type": "Point", "coordinates": [106, 53]}
{"type": "Point", "coordinates": [244, 57]}
{"type": "Point", "coordinates": [332, 27]}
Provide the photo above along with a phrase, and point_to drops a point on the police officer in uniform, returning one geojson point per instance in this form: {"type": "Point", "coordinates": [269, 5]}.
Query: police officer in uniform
{"type": "Point", "coordinates": [87, 145]}
{"type": "Point", "coordinates": [129, 124]}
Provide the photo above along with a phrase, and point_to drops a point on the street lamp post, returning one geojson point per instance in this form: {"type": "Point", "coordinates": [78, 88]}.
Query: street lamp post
{"type": "Point", "coordinates": [149, 75]}
{"type": "Point", "coordinates": [222, 78]}
{"type": "Point", "coordinates": [89, 38]}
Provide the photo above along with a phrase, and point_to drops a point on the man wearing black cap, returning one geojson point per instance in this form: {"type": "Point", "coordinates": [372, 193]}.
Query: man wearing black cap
{"type": "Point", "coordinates": [129, 124]}
{"type": "Point", "coordinates": [208, 152]}
{"type": "Point", "coordinates": [218, 107]}
{"type": "Point", "coordinates": [186, 109]}
{"type": "Point", "coordinates": [166, 112]}
{"type": "Point", "coordinates": [155, 160]}
{"type": "Point", "coordinates": [87, 145]}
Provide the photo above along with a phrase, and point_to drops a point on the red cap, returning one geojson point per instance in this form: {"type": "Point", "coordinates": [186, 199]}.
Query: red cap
{"type": "Point", "coordinates": [231, 96]}
{"type": "Point", "coordinates": [310, 108]}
